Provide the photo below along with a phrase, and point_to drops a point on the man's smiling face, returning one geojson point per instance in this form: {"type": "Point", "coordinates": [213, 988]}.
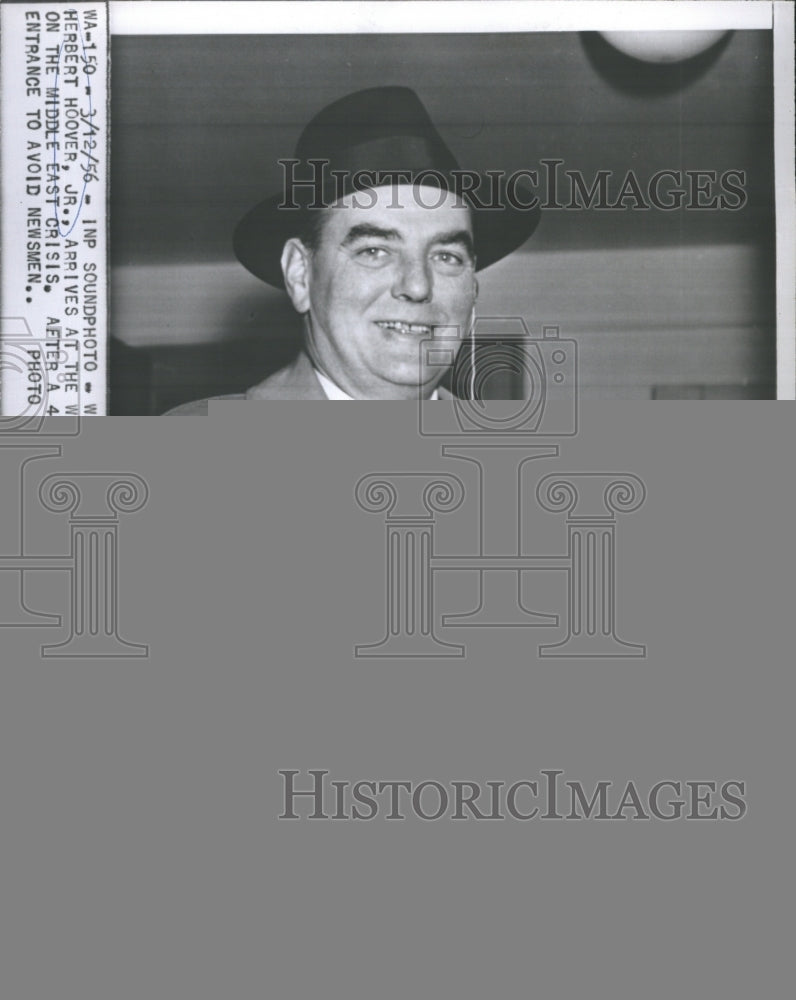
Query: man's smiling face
{"type": "Point", "coordinates": [384, 277]}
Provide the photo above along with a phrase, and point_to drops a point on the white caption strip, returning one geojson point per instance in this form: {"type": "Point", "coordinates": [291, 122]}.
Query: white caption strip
{"type": "Point", "coordinates": [54, 148]}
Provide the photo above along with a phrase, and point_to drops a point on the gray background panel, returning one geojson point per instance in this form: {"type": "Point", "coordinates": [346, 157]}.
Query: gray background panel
{"type": "Point", "coordinates": [140, 850]}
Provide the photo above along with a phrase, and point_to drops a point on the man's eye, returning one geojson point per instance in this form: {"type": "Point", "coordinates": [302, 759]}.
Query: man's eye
{"type": "Point", "coordinates": [372, 253]}
{"type": "Point", "coordinates": [448, 257]}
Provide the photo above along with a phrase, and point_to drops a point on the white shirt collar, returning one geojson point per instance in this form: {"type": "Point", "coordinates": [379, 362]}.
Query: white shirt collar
{"type": "Point", "coordinates": [334, 392]}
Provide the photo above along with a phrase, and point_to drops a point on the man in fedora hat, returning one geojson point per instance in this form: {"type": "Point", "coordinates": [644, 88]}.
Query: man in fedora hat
{"type": "Point", "coordinates": [377, 250]}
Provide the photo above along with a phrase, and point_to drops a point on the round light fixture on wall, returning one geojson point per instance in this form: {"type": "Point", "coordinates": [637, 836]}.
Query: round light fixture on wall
{"type": "Point", "coordinates": [662, 46]}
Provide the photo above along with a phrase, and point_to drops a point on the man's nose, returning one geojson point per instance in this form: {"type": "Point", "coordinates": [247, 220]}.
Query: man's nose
{"type": "Point", "coordinates": [413, 280]}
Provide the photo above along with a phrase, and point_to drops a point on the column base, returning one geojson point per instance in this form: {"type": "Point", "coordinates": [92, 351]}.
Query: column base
{"type": "Point", "coordinates": [95, 647]}
{"type": "Point", "coordinates": [593, 647]}
{"type": "Point", "coordinates": [409, 647]}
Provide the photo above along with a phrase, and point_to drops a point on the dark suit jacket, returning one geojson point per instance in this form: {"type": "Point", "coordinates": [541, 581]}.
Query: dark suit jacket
{"type": "Point", "coordinates": [295, 381]}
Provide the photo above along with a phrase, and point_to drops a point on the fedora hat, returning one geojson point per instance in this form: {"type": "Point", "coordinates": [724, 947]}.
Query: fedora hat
{"type": "Point", "coordinates": [378, 131]}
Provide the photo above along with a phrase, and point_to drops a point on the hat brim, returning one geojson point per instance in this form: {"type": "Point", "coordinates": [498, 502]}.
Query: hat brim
{"type": "Point", "coordinates": [263, 231]}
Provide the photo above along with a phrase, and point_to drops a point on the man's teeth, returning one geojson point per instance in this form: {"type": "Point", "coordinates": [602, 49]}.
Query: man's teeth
{"type": "Point", "coordinates": [413, 328]}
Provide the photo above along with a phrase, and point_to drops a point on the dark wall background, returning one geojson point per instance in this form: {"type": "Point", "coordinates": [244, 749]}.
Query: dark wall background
{"type": "Point", "coordinates": [662, 303]}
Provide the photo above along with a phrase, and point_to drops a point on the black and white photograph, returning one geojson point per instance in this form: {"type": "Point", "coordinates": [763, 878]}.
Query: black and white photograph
{"type": "Point", "coordinates": [614, 175]}
{"type": "Point", "coordinates": [620, 187]}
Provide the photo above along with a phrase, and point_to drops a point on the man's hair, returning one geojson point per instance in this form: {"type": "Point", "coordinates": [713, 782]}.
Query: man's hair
{"type": "Point", "coordinates": [311, 231]}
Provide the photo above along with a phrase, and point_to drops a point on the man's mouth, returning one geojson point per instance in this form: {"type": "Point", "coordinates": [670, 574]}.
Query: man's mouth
{"type": "Point", "coordinates": [406, 329]}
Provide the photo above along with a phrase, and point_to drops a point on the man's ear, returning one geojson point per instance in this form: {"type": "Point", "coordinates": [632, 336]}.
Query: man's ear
{"type": "Point", "coordinates": [296, 271]}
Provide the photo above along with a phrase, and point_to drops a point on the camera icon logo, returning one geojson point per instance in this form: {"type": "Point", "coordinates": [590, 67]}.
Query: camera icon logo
{"type": "Point", "coordinates": [504, 381]}
{"type": "Point", "coordinates": [24, 384]}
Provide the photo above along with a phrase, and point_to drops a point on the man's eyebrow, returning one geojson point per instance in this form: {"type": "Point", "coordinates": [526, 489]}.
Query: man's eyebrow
{"type": "Point", "coordinates": [365, 229]}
